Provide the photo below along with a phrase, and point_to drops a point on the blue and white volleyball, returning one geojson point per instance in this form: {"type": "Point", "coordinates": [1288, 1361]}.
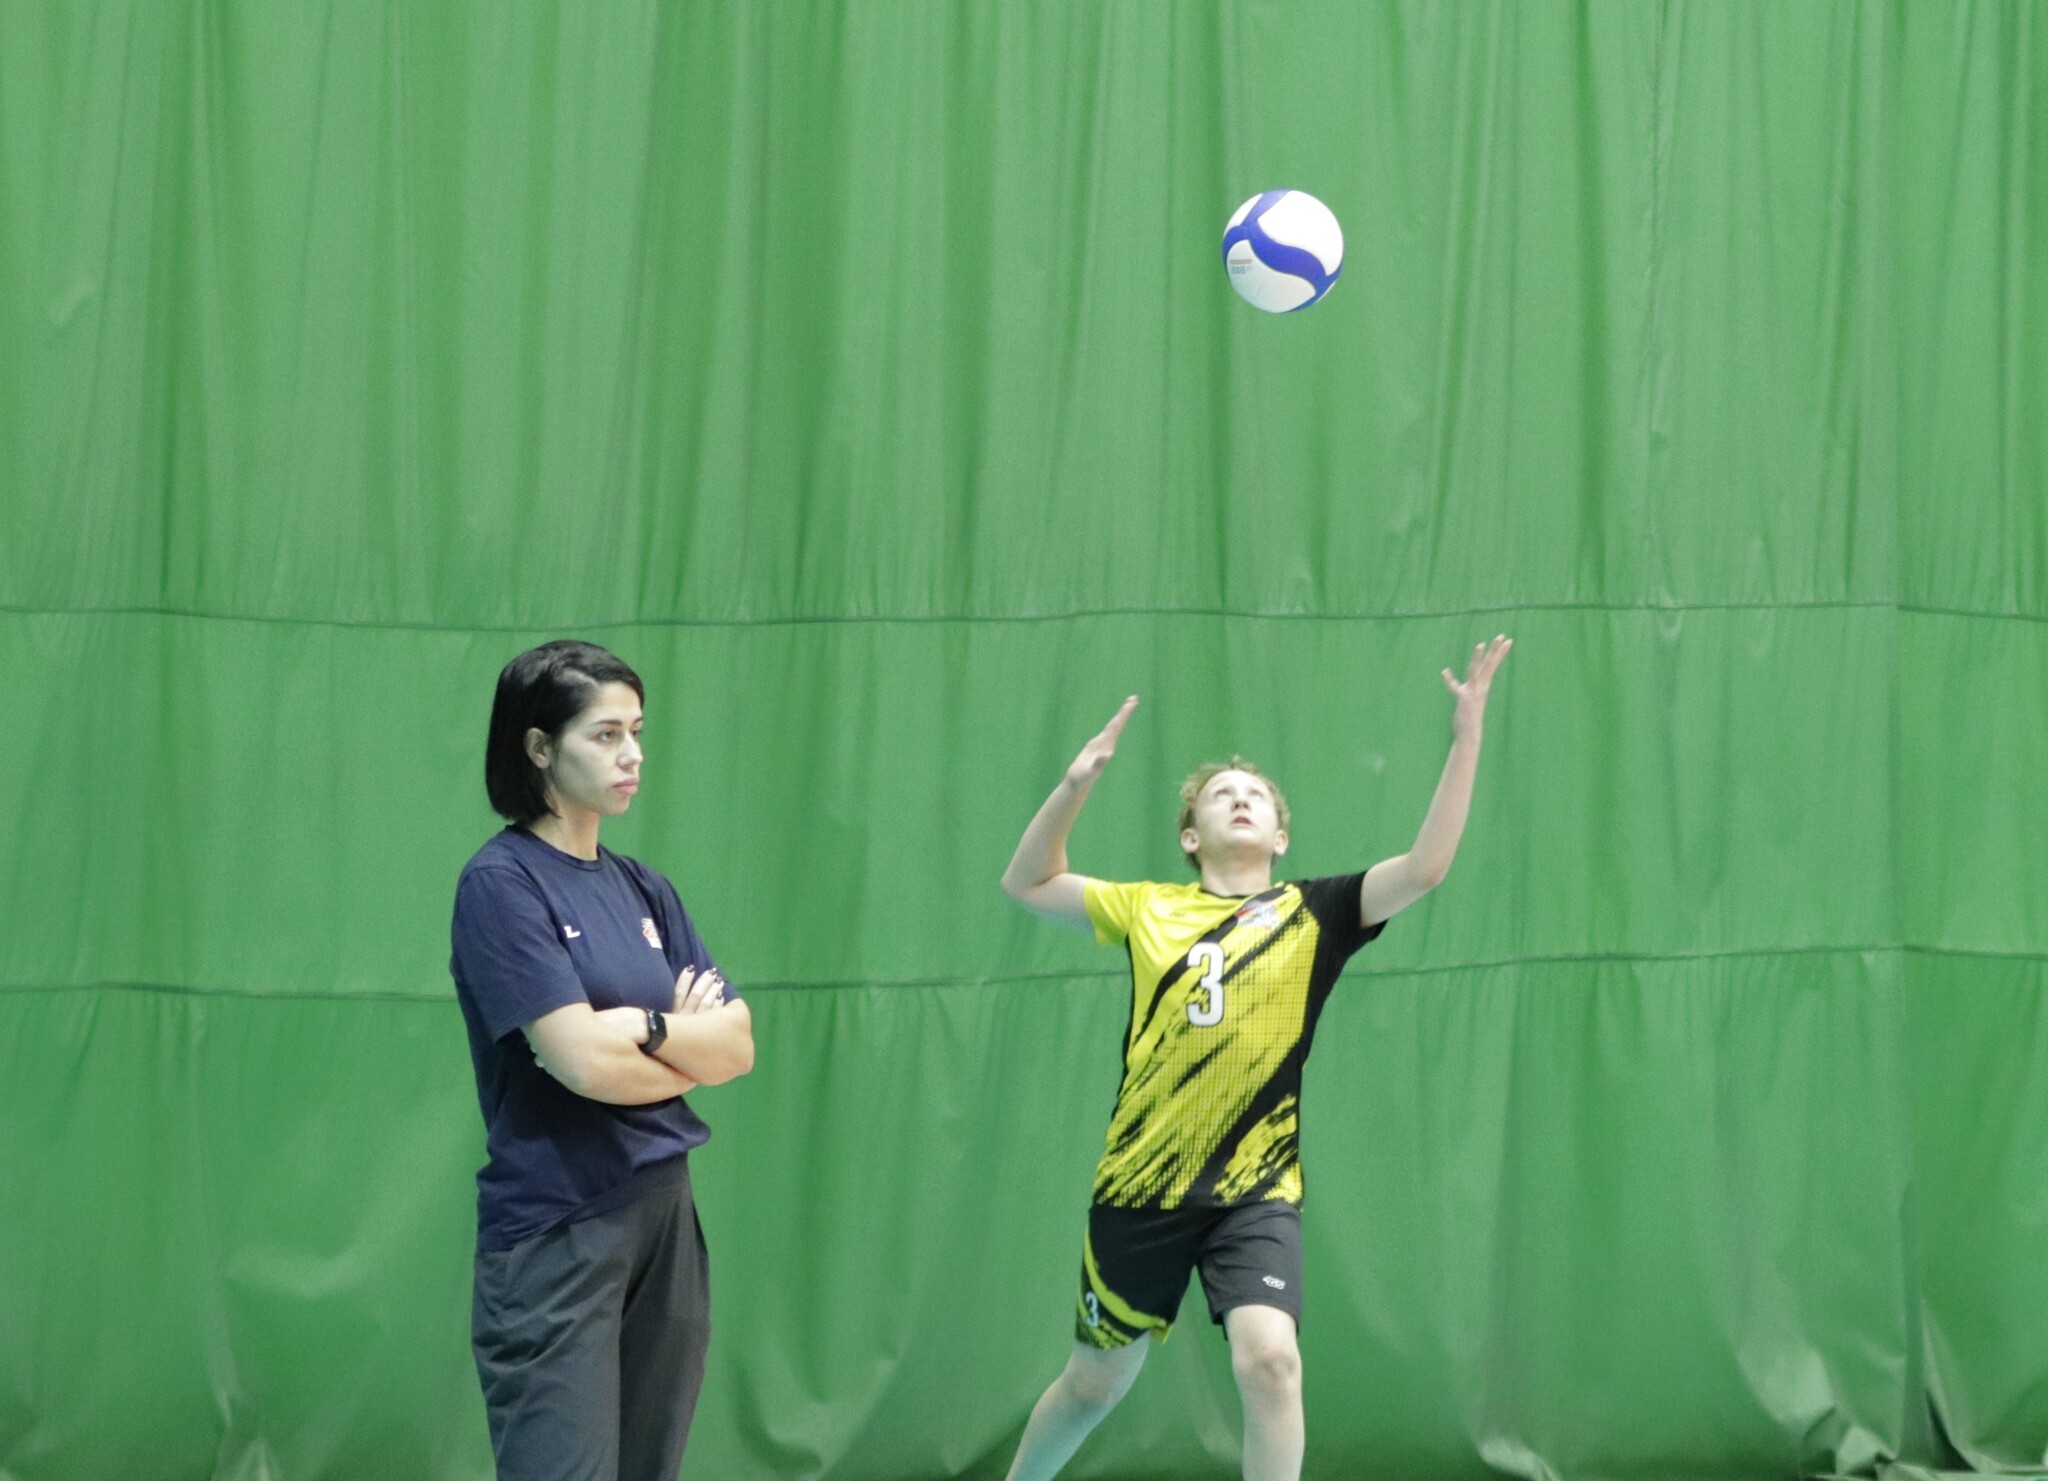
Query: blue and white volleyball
{"type": "Point", "coordinates": [1283, 249]}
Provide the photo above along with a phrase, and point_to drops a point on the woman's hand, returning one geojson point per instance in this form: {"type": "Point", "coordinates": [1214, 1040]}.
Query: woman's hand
{"type": "Point", "coordinates": [699, 992]}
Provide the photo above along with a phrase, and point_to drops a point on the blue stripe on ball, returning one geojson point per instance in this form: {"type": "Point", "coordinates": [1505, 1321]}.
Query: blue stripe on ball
{"type": "Point", "coordinates": [1297, 262]}
{"type": "Point", "coordinates": [1242, 232]}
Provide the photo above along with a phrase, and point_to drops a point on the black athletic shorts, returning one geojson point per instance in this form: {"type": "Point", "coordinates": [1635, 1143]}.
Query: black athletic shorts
{"type": "Point", "coordinates": [1135, 1266]}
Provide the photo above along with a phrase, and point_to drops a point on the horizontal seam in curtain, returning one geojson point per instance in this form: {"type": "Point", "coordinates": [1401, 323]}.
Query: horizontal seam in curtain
{"type": "Point", "coordinates": [1104, 974]}
{"type": "Point", "coordinates": [1075, 614]}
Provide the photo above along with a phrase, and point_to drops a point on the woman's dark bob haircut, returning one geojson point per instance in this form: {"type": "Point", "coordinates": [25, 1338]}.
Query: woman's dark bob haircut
{"type": "Point", "coordinates": [542, 689]}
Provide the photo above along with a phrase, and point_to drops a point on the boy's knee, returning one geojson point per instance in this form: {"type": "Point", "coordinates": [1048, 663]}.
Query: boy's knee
{"type": "Point", "coordinates": [1102, 1383]}
{"type": "Point", "coordinates": [1270, 1367]}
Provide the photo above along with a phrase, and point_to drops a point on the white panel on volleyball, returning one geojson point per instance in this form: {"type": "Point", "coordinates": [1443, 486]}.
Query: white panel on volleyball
{"type": "Point", "coordinates": [1300, 220]}
{"type": "Point", "coordinates": [1263, 288]}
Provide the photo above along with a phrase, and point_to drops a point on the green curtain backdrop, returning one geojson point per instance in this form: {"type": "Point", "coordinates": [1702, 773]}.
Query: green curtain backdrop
{"type": "Point", "coordinates": [864, 372]}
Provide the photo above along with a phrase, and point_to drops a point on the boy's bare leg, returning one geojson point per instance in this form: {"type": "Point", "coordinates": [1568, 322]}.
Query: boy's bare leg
{"type": "Point", "coordinates": [1080, 1398]}
{"type": "Point", "coordinates": [1267, 1361]}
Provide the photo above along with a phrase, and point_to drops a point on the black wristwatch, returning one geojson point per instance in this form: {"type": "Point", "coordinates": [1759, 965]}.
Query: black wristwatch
{"type": "Point", "coordinates": [657, 1032]}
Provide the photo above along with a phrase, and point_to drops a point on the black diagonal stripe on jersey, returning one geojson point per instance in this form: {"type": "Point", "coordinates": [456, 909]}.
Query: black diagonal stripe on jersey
{"type": "Point", "coordinates": [1277, 1087]}
{"type": "Point", "coordinates": [1292, 923]}
{"type": "Point", "coordinates": [1217, 935]}
{"type": "Point", "coordinates": [1132, 1134]}
{"type": "Point", "coordinates": [1263, 1105]}
{"type": "Point", "coordinates": [1230, 973]}
{"type": "Point", "coordinates": [1193, 1070]}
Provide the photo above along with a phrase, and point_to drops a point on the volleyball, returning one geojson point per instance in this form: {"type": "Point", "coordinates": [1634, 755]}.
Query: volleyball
{"type": "Point", "coordinates": [1283, 249]}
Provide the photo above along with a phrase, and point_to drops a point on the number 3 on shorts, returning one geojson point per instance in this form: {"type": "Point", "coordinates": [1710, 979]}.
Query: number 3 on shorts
{"type": "Point", "coordinates": [1207, 1010]}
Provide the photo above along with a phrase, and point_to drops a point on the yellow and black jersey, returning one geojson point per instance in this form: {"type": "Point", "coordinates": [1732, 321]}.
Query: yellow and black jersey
{"type": "Point", "coordinates": [1225, 993]}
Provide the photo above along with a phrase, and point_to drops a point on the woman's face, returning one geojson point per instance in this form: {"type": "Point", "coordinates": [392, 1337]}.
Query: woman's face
{"type": "Point", "coordinates": [595, 766]}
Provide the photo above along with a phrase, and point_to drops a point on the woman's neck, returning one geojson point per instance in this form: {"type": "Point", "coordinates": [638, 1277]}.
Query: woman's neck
{"type": "Point", "coordinates": [572, 830]}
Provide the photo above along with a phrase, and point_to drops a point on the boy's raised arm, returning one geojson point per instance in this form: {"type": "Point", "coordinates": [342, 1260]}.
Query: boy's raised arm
{"type": "Point", "coordinates": [1038, 878]}
{"type": "Point", "coordinates": [1394, 884]}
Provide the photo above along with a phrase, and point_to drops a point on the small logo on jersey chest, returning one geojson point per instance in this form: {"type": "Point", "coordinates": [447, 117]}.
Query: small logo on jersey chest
{"type": "Point", "coordinates": [647, 929]}
{"type": "Point", "coordinates": [570, 933]}
{"type": "Point", "coordinates": [1261, 913]}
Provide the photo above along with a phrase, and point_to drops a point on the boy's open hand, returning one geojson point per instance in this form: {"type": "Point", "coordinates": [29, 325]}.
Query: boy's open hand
{"type": "Point", "coordinates": [1095, 755]}
{"type": "Point", "coordinates": [1471, 694]}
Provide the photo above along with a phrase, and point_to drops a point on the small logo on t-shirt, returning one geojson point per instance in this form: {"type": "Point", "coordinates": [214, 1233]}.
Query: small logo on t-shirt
{"type": "Point", "coordinates": [647, 929]}
{"type": "Point", "coordinates": [1261, 913]}
{"type": "Point", "coordinates": [1274, 1281]}
{"type": "Point", "coordinates": [570, 933]}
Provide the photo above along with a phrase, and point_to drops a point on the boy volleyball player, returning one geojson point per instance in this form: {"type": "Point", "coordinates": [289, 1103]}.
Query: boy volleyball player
{"type": "Point", "coordinates": [1201, 1169]}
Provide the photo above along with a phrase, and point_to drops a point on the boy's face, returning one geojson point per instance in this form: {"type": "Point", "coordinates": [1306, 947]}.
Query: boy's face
{"type": "Point", "coordinates": [1235, 818]}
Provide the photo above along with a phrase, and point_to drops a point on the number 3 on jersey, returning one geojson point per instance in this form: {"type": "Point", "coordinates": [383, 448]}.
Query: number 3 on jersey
{"type": "Point", "coordinates": [1206, 1011]}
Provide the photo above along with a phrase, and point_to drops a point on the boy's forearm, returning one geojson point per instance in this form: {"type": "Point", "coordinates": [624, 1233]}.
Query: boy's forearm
{"type": "Point", "coordinates": [1436, 842]}
{"type": "Point", "coordinates": [1042, 851]}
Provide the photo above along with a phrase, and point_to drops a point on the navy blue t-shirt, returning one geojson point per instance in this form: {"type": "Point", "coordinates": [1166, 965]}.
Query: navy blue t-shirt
{"type": "Point", "coordinates": [535, 930]}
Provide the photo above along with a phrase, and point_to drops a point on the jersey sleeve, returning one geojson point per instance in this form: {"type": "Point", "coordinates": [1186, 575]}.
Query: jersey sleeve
{"type": "Point", "coordinates": [507, 951]}
{"type": "Point", "coordinates": [1112, 908]}
{"type": "Point", "coordinates": [1333, 900]}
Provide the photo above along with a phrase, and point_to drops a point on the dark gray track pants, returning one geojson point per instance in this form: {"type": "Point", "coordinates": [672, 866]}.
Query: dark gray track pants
{"type": "Point", "coordinates": [590, 1342]}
